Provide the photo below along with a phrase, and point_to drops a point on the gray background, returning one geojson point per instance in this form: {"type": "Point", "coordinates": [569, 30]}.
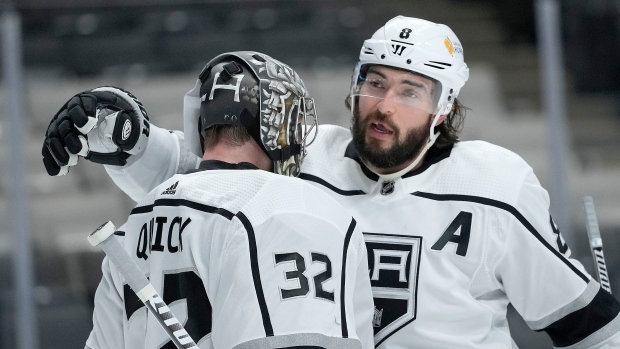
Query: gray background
{"type": "Point", "coordinates": [155, 49]}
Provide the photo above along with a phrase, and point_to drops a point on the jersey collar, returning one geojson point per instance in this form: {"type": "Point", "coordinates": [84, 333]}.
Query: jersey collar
{"type": "Point", "coordinates": [222, 165]}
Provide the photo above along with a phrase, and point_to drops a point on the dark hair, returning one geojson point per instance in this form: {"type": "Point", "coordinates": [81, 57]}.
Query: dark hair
{"type": "Point", "coordinates": [232, 135]}
{"type": "Point", "coordinates": [449, 129]}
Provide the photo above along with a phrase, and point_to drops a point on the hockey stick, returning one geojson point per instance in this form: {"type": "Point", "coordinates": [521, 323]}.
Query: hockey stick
{"type": "Point", "coordinates": [104, 237]}
{"type": "Point", "coordinates": [596, 243]}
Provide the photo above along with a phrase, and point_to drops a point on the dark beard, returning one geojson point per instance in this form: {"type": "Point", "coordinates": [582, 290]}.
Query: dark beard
{"type": "Point", "coordinates": [397, 154]}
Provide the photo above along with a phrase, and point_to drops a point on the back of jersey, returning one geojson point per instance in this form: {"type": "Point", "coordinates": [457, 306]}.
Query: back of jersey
{"type": "Point", "coordinates": [246, 259]}
{"type": "Point", "coordinates": [300, 253]}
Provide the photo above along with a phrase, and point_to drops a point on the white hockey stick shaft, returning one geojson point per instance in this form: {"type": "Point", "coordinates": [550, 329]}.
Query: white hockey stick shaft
{"type": "Point", "coordinates": [596, 243]}
{"type": "Point", "coordinates": [104, 238]}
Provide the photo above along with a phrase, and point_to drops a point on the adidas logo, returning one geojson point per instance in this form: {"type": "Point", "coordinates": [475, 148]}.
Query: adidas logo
{"type": "Point", "coordinates": [171, 190]}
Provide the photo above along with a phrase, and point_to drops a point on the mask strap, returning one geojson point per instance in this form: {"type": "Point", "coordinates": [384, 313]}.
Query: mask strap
{"type": "Point", "coordinates": [429, 143]}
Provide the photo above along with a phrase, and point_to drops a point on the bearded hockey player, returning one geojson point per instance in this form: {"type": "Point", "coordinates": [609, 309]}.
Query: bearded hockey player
{"type": "Point", "coordinates": [455, 231]}
{"type": "Point", "coordinates": [244, 257]}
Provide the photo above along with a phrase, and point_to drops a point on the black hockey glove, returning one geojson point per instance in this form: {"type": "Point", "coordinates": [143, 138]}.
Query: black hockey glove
{"type": "Point", "coordinates": [105, 125]}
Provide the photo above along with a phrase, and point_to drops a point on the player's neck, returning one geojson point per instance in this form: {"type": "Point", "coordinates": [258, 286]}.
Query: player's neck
{"type": "Point", "coordinates": [248, 152]}
{"type": "Point", "coordinates": [395, 169]}
{"type": "Point", "coordinates": [387, 171]}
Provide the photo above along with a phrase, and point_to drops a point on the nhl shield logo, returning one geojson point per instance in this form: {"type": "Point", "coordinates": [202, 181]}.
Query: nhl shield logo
{"type": "Point", "coordinates": [393, 267]}
{"type": "Point", "coordinates": [387, 187]}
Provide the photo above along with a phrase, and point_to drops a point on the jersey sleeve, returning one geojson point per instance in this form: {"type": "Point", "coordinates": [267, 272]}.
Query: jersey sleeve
{"type": "Point", "coordinates": [107, 329]}
{"type": "Point", "coordinates": [551, 291]}
{"type": "Point", "coordinates": [165, 155]}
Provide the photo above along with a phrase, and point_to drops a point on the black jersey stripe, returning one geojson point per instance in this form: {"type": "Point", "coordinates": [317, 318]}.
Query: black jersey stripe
{"type": "Point", "coordinates": [258, 286]}
{"type": "Point", "coordinates": [510, 209]}
{"type": "Point", "coordinates": [343, 312]}
{"type": "Point", "coordinates": [183, 202]}
{"type": "Point", "coordinates": [578, 325]}
{"type": "Point", "coordinates": [329, 186]}
{"type": "Point", "coordinates": [351, 153]}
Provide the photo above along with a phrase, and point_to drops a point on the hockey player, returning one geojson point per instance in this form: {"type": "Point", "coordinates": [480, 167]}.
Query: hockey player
{"type": "Point", "coordinates": [244, 257]}
{"type": "Point", "coordinates": [455, 231]}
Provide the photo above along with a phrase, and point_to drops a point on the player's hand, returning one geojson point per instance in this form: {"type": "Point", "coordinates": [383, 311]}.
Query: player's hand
{"type": "Point", "coordinates": [105, 125]}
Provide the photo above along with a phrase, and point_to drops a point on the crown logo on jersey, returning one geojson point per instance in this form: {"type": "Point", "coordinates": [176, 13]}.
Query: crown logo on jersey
{"type": "Point", "coordinates": [171, 190]}
{"type": "Point", "coordinates": [376, 318]}
{"type": "Point", "coordinates": [393, 262]}
{"type": "Point", "coordinates": [387, 187]}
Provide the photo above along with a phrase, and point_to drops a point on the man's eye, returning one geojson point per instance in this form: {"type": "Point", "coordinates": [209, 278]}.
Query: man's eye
{"type": "Point", "coordinates": [409, 94]}
{"type": "Point", "coordinates": [376, 84]}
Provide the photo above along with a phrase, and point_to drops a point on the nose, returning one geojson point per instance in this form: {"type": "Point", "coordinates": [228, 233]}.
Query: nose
{"type": "Point", "coordinates": [386, 106]}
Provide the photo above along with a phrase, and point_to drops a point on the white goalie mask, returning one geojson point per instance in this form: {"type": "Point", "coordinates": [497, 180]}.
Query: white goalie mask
{"type": "Point", "coordinates": [262, 94]}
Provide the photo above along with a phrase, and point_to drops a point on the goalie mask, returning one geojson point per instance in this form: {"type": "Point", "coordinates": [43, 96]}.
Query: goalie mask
{"type": "Point", "coordinates": [264, 95]}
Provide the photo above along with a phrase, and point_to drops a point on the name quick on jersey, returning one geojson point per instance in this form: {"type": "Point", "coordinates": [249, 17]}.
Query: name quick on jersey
{"type": "Point", "coordinates": [149, 242]}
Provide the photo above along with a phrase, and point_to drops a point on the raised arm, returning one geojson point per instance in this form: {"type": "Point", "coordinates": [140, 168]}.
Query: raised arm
{"type": "Point", "coordinates": [108, 125]}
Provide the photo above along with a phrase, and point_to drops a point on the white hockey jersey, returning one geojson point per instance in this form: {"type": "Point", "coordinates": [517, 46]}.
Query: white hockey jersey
{"type": "Point", "coordinates": [244, 259]}
{"type": "Point", "coordinates": [453, 242]}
